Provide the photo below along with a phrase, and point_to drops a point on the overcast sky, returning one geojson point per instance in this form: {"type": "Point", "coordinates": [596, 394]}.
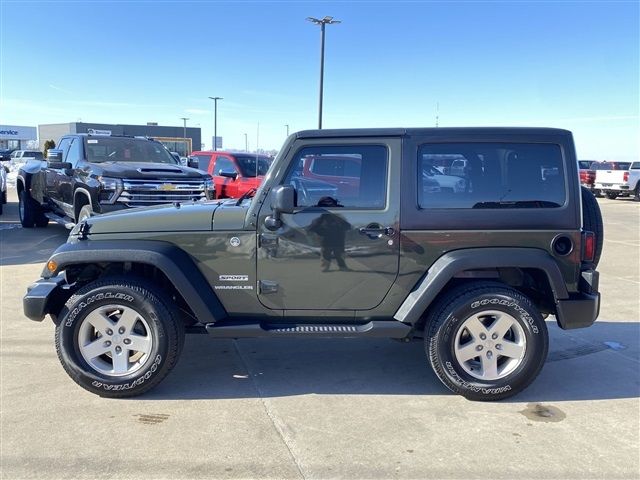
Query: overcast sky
{"type": "Point", "coordinates": [572, 65]}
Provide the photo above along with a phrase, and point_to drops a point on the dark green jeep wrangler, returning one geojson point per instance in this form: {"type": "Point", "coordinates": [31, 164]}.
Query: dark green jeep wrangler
{"type": "Point", "coordinates": [467, 237]}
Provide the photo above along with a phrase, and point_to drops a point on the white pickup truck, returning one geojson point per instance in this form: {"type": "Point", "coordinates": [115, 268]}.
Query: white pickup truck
{"type": "Point", "coordinates": [616, 179]}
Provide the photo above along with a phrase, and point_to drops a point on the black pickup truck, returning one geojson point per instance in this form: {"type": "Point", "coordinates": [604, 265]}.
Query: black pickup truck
{"type": "Point", "coordinates": [89, 174]}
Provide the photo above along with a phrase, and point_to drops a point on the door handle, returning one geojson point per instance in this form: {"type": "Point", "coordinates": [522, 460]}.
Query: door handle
{"type": "Point", "coordinates": [374, 232]}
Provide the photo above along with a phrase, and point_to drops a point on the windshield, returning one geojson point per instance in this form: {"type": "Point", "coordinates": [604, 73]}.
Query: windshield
{"type": "Point", "coordinates": [247, 164]}
{"type": "Point", "coordinates": [118, 149]}
{"type": "Point", "coordinates": [430, 170]}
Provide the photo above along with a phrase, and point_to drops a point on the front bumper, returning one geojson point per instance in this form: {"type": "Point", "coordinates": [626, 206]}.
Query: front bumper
{"type": "Point", "coordinates": [42, 296]}
{"type": "Point", "coordinates": [581, 309]}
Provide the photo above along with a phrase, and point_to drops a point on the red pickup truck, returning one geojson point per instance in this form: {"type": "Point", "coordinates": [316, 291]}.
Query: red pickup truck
{"type": "Point", "coordinates": [588, 174]}
{"type": "Point", "coordinates": [234, 173]}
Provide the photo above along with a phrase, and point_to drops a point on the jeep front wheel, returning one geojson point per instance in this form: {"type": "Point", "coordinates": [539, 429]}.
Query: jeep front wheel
{"type": "Point", "coordinates": [486, 341]}
{"type": "Point", "coordinates": [117, 338]}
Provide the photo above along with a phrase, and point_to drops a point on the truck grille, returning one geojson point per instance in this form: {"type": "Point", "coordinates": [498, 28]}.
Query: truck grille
{"type": "Point", "coordinates": [137, 193]}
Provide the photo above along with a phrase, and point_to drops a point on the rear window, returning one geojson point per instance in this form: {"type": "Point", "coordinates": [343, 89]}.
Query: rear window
{"type": "Point", "coordinates": [490, 175]}
{"type": "Point", "coordinates": [36, 155]}
{"type": "Point", "coordinates": [584, 164]}
{"type": "Point", "coordinates": [611, 166]}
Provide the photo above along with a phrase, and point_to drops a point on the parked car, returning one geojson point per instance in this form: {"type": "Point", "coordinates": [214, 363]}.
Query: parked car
{"type": "Point", "coordinates": [618, 179]}
{"type": "Point", "coordinates": [447, 183]}
{"type": "Point", "coordinates": [587, 174]}
{"type": "Point", "coordinates": [3, 186]}
{"type": "Point", "coordinates": [89, 174]}
{"type": "Point", "coordinates": [5, 154]}
{"type": "Point", "coordinates": [20, 157]}
{"type": "Point", "coordinates": [473, 273]}
{"type": "Point", "coordinates": [234, 173]}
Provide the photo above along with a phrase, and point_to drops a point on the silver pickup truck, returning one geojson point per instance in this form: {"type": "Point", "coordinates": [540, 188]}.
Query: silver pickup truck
{"type": "Point", "coordinates": [616, 179]}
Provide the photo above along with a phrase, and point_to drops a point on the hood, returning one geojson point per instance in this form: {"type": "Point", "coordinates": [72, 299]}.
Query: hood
{"type": "Point", "coordinates": [179, 217]}
{"type": "Point", "coordinates": [146, 170]}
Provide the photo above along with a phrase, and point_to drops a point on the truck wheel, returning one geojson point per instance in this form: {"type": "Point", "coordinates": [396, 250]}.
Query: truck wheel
{"type": "Point", "coordinates": [118, 337]}
{"type": "Point", "coordinates": [85, 212]}
{"type": "Point", "coordinates": [592, 221]}
{"type": "Point", "coordinates": [26, 210]}
{"type": "Point", "coordinates": [612, 195]}
{"type": "Point", "coordinates": [486, 341]}
{"type": "Point", "coordinates": [636, 193]}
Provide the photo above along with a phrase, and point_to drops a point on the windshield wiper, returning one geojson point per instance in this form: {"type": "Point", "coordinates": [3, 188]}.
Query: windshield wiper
{"type": "Point", "coordinates": [249, 193]}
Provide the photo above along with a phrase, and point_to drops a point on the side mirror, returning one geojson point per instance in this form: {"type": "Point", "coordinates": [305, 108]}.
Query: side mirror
{"type": "Point", "coordinates": [282, 201]}
{"type": "Point", "coordinates": [228, 174]}
{"type": "Point", "coordinates": [54, 155]}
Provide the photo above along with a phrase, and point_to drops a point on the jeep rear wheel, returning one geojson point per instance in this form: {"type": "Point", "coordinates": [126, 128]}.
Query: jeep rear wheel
{"type": "Point", "coordinates": [117, 338]}
{"type": "Point", "coordinates": [486, 341]}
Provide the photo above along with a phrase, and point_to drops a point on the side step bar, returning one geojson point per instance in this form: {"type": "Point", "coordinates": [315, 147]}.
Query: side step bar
{"type": "Point", "coordinates": [380, 329]}
{"type": "Point", "coordinates": [66, 222]}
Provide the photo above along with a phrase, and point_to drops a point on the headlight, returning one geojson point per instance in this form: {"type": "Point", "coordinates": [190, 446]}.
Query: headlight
{"type": "Point", "coordinates": [110, 189]}
{"type": "Point", "coordinates": [209, 188]}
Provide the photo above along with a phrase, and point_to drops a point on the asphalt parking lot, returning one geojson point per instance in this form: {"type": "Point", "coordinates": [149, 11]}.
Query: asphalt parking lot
{"type": "Point", "coordinates": [324, 408]}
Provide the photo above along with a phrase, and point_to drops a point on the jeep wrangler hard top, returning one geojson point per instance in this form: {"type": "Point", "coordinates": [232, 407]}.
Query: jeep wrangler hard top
{"type": "Point", "coordinates": [89, 174]}
{"type": "Point", "coordinates": [472, 265]}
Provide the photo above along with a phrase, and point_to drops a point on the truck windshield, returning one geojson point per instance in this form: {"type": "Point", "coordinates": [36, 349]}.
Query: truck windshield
{"type": "Point", "coordinates": [247, 164]}
{"type": "Point", "coordinates": [113, 149]}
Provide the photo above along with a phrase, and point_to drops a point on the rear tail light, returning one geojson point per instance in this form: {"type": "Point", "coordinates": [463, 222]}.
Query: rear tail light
{"type": "Point", "coordinates": [588, 246]}
{"type": "Point", "coordinates": [625, 177]}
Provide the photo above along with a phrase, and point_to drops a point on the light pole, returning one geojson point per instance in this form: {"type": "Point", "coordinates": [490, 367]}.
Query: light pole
{"type": "Point", "coordinates": [215, 121]}
{"type": "Point", "coordinates": [287, 125]}
{"type": "Point", "coordinates": [246, 143]}
{"type": "Point", "coordinates": [184, 135]}
{"type": "Point", "coordinates": [322, 23]}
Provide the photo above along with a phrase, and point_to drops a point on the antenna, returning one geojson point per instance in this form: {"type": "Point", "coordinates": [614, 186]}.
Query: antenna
{"type": "Point", "coordinates": [437, 114]}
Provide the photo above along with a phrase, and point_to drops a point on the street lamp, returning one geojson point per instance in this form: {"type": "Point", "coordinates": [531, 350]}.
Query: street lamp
{"type": "Point", "coordinates": [215, 121]}
{"type": "Point", "coordinates": [322, 23]}
{"type": "Point", "coordinates": [184, 135]}
{"type": "Point", "coordinates": [287, 125]}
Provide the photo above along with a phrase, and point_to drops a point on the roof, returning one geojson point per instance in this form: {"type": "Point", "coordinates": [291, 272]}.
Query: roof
{"type": "Point", "coordinates": [440, 131]}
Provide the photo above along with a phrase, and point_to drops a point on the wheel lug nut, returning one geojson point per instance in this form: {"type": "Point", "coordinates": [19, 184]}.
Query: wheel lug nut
{"type": "Point", "coordinates": [107, 343]}
{"type": "Point", "coordinates": [499, 346]}
{"type": "Point", "coordinates": [479, 348]}
{"type": "Point", "coordinates": [494, 336]}
{"type": "Point", "coordinates": [127, 341]}
{"type": "Point", "coordinates": [118, 349]}
{"type": "Point", "coordinates": [121, 330]}
{"type": "Point", "coordinates": [109, 331]}
{"type": "Point", "coordinates": [483, 336]}
{"type": "Point", "coordinates": [489, 354]}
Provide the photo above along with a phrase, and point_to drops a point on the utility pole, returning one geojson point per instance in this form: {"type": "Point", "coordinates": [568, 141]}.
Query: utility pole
{"type": "Point", "coordinates": [184, 135]}
{"type": "Point", "coordinates": [322, 23]}
{"type": "Point", "coordinates": [215, 121]}
{"type": "Point", "coordinates": [286, 125]}
{"type": "Point", "coordinates": [246, 143]}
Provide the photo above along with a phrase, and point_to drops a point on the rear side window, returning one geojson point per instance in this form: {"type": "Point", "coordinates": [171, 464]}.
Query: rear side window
{"type": "Point", "coordinates": [490, 175]}
{"type": "Point", "coordinates": [203, 161]}
{"type": "Point", "coordinates": [635, 166]}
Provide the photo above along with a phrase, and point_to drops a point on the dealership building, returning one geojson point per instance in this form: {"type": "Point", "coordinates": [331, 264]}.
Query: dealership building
{"type": "Point", "coordinates": [174, 138]}
{"type": "Point", "coordinates": [17, 137]}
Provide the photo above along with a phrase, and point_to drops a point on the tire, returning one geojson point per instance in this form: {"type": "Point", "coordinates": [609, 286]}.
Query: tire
{"type": "Point", "coordinates": [129, 313]}
{"type": "Point", "coordinates": [482, 307]}
{"type": "Point", "coordinates": [636, 193]}
{"type": "Point", "coordinates": [26, 210]}
{"type": "Point", "coordinates": [592, 221]}
{"type": "Point", "coordinates": [85, 212]}
{"type": "Point", "coordinates": [612, 195]}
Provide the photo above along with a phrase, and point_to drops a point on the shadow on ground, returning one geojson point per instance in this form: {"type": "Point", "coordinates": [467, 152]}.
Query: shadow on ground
{"type": "Point", "coordinates": [579, 368]}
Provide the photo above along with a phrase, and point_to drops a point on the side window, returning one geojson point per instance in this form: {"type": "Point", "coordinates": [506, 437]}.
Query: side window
{"type": "Point", "coordinates": [75, 152]}
{"type": "Point", "coordinates": [635, 166]}
{"type": "Point", "coordinates": [490, 175]}
{"type": "Point", "coordinates": [350, 176]}
{"type": "Point", "coordinates": [224, 164]}
{"type": "Point", "coordinates": [64, 146]}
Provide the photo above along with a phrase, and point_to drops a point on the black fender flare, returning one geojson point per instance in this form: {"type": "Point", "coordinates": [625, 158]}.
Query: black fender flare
{"type": "Point", "coordinates": [452, 263]}
{"type": "Point", "coordinates": [177, 265]}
